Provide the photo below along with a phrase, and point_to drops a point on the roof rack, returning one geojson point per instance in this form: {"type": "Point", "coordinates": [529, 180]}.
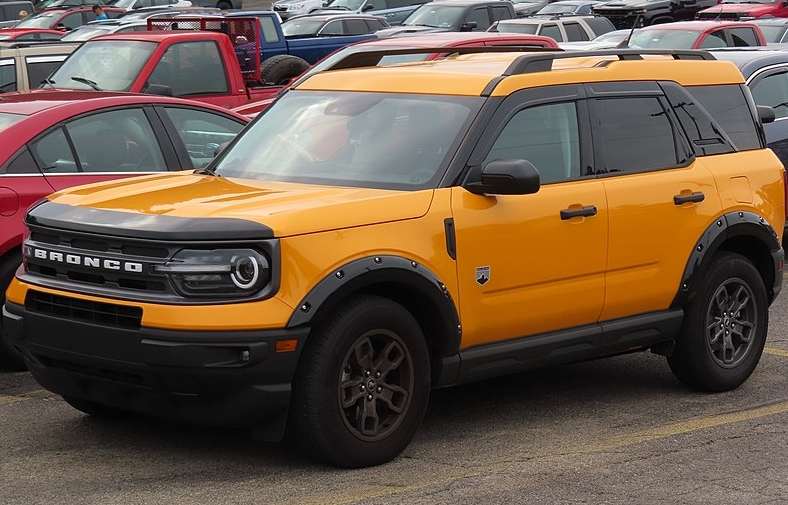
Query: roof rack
{"type": "Point", "coordinates": [529, 63]}
{"type": "Point", "coordinates": [373, 57]}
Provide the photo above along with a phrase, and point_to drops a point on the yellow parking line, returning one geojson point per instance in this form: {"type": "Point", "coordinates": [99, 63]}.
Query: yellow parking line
{"type": "Point", "coordinates": [776, 352]}
{"type": "Point", "coordinates": [443, 476]}
{"type": "Point", "coordinates": [37, 393]}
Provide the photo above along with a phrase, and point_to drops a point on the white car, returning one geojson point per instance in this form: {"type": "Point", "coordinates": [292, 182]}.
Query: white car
{"type": "Point", "coordinates": [290, 8]}
{"type": "Point", "coordinates": [138, 4]}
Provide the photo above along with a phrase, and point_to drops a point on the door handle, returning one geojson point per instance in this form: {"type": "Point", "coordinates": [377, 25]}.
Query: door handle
{"type": "Point", "coordinates": [587, 211]}
{"type": "Point", "coordinates": [696, 197]}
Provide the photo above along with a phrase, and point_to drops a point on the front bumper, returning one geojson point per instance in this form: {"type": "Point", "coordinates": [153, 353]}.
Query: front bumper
{"type": "Point", "coordinates": [232, 379]}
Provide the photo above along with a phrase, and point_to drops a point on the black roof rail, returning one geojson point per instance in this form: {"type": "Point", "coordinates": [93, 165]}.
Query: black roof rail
{"type": "Point", "coordinates": [372, 58]}
{"type": "Point", "coordinates": [529, 63]}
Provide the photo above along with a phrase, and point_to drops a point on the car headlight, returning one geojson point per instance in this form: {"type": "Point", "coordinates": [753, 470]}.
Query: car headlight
{"type": "Point", "coordinates": [217, 272]}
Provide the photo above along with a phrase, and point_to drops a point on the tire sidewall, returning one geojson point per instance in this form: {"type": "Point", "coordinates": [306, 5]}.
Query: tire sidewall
{"type": "Point", "coordinates": [10, 358]}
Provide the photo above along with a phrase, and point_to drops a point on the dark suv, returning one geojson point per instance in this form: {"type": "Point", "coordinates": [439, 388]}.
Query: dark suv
{"type": "Point", "coordinates": [637, 13]}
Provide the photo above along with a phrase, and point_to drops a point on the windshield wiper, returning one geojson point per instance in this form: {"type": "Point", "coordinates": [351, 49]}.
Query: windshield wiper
{"type": "Point", "coordinates": [90, 83]}
{"type": "Point", "coordinates": [48, 81]}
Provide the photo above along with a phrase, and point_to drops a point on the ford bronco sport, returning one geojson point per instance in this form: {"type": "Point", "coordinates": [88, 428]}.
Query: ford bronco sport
{"type": "Point", "coordinates": [382, 231]}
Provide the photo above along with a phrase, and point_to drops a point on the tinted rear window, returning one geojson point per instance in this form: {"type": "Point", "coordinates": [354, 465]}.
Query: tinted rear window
{"type": "Point", "coordinates": [727, 104]}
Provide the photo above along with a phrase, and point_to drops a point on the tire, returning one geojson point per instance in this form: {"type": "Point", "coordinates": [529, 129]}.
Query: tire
{"type": "Point", "coordinates": [224, 5]}
{"type": "Point", "coordinates": [92, 408]}
{"type": "Point", "coordinates": [724, 327]}
{"type": "Point", "coordinates": [280, 69]}
{"type": "Point", "coordinates": [10, 358]}
{"type": "Point", "coordinates": [352, 408]}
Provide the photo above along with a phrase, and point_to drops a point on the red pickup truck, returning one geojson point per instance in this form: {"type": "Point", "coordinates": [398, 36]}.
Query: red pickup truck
{"type": "Point", "coordinates": [736, 10]}
{"type": "Point", "coordinates": [221, 67]}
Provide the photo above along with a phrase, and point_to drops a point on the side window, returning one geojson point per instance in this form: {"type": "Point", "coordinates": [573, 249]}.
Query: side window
{"type": "Point", "coordinates": [54, 154]}
{"type": "Point", "coordinates": [742, 37]}
{"type": "Point", "coordinates": [500, 12]}
{"type": "Point", "coordinates": [7, 75]}
{"type": "Point", "coordinates": [584, 9]}
{"type": "Point", "coordinates": [270, 34]}
{"type": "Point", "coordinates": [772, 90]}
{"type": "Point", "coordinates": [714, 39]}
{"type": "Point", "coordinates": [727, 104]}
{"type": "Point", "coordinates": [75, 19]}
{"type": "Point", "coordinates": [39, 68]}
{"type": "Point", "coordinates": [551, 30]}
{"type": "Point", "coordinates": [23, 163]}
{"type": "Point", "coordinates": [191, 68]}
{"type": "Point", "coordinates": [202, 132]}
{"type": "Point", "coordinates": [635, 134]}
{"type": "Point", "coordinates": [333, 28]}
{"type": "Point", "coordinates": [374, 25]}
{"type": "Point", "coordinates": [575, 32]}
{"type": "Point", "coordinates": [480, 17]}
{"type": "Point", "coordinates": [355, 27]}
{"type": "Point", "coordinates": [545, 135]}
{"type": "Point", "coordinates": [116, 141]}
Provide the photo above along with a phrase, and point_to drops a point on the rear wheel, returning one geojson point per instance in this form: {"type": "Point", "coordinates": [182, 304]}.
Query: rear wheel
{"type": "Point", "coordinates": [363, 384]}
{"type": "Point", "coordinates": [724, 327]}
{"type": "Point", "coordinates": [10, 358]}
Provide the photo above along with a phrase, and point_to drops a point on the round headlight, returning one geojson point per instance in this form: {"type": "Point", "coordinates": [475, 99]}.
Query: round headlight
{"type": "Point", "coordinates": [245, 271]}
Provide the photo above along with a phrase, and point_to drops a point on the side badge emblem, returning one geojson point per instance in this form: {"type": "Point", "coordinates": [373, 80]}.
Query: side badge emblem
{"type": "Point", "coordinates": [482, 275]}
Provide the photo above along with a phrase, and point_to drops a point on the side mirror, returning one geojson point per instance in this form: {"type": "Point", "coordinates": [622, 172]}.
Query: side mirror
{"type": "Point", "coordinates": [367, 7]}
{"type": "Point", "coordinates": [765, 114]}
{"type": "Point", "coordinates": [158, 89]}
{"type": "Point", "coordinates": [469, 26]}
{"type": "Point", "coordinates": [507, 177]}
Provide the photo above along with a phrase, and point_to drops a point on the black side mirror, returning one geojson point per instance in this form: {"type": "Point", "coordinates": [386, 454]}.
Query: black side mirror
{"type": "Point", "coordinates": [158, 89]}
{"type": "Point", "coordinates": [507, 177]}
{"type": "Point", "coordinates": [765, 114]}
{"type": "Point", "coordinates": [469, 26]}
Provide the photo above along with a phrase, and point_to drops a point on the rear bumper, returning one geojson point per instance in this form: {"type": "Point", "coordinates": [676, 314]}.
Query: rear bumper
{"type": "Point", "coordinates": [232, 379]}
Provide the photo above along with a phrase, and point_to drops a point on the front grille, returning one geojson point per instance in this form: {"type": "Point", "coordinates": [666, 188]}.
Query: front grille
{"type": "Point", "coordinates": [108, 314]}
{"type": "Point", "coordinates": [103, 373]}
{"type": "Point", "coordinates": [621, 20]}
{"type": "Point", "coordinates": [727, 16]}
{"type": "Point", "coordinates": [280, 8]}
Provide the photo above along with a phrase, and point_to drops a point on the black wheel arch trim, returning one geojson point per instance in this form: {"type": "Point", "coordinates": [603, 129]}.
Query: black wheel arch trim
{"type": "Point", "coordinates": [369, 273]}
{"type": "Point", "coordinates": [725, 233]}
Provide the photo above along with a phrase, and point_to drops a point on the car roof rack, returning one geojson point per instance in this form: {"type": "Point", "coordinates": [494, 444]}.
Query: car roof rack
{"type": "Point", "coordinates": [530, 63]}
{"type": "Point", "coordinates": [372, 58]}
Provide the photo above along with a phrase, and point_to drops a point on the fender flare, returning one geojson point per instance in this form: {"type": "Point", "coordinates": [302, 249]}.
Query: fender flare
{"type": "Point", "coordinates": [366, 273]}
{"type": "Point", "coordinates": [733, 225]}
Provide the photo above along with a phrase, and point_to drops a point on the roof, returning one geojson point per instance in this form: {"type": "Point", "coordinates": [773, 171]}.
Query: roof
{"type": "Point", "coordinates": [699, 25]}
{"type": "Point", "coordinates": [462, 2]}
{"type": "Point", "coordinates": [334, 15]}
{"type": "Point", "coordinates": [538, 20]}
{"type": "Point", "coordinates": [159, 35]}
{"type": "Point", "coordinates": [502, 73]}
{"type": "Point", "coordinates": [750, 60]}
{"type": "Point", "coordinates": [448, 39]}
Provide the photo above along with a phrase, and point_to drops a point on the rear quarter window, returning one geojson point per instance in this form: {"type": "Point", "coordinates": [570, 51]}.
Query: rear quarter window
{"type": "Point", "coordinates": [727, 104]}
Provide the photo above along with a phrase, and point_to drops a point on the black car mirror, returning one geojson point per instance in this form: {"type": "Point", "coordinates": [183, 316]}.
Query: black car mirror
{"type": "Point", "coordinates": [765, 114]}
{"type": "Point", "coordinates": [506, 177]}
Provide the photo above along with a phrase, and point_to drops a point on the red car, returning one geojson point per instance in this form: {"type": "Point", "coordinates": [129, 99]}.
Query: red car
{"type": "Point", "coordinates": [697, 35]}
{"type": "Point", "coordinates": [30, 34]}
{"type": "Point", "coordinates": [442, 39]}
{"type": "Point", "coordinates": [53, 140]}
{"type": "Point", "coordinates": [68, 18]}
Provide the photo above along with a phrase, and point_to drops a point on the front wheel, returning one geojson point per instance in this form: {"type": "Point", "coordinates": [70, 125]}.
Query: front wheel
{"type": "Point", "coordinates": [724, 328]}
{"type": "Point", "coordinates": [10, 358]}
{"type": "Point", "coordinates": [363, 384]}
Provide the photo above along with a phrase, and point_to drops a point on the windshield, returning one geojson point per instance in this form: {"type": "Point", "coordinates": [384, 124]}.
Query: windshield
{"type": "Point", "coordinates": [557, 9]}
{"type": "Point", "coordinates": [614, 36]}
{"type": "Point", "coordinates": [436, 16]}
{"type": "Point", "coordinates": [41, 20]}
{"type": "Point", "coordinates": [125, 4]}
{"type": "Point", "coordinates": [7, 119]}
{"type": "Point", "coordinates": [378, 140]}
{"type": "Point", "coordinates": [109, 65]}
{"type": "Point", "coordinates": [350, 5]}
{"type": "Point", "coordinates": [664, 39]}
{"type": "Point", "coordinates": [84, 33]}
{"type": "Point", "coordinates": [301, 27]}
{"type": "Point", "coordinates": [529, 28]}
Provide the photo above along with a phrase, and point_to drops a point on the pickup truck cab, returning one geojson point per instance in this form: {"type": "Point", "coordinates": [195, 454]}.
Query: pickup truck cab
{"type": "Point", "coordinates": [453, 16]}
{"type": "Point", "coordinates": [698, 35]}
{"type": "Point", "coordinates": [735, 10]}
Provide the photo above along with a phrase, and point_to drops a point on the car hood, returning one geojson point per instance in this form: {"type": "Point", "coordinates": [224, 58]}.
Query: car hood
{"type": "Point", "coordinates": [400, 30]}
{"type": "Point", "coordinates": [746, 8]}
{"type": "Point", "coordinates": [287, 208]}
{"type": "Point", "coordinates": [635, 4]}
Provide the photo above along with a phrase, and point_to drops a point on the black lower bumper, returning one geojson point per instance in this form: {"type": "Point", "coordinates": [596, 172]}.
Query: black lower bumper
{"type": "Point", "coordinates": [232, 379]}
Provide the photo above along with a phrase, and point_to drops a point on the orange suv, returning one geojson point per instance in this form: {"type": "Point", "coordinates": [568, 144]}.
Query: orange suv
{"type": "Point", "coordinates": [382, 231]}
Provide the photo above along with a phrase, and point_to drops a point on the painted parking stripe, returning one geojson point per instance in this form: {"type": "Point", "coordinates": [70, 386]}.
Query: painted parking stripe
{"type": "Point", "coordinates": [775, 352]}
{"type": "Point", "coordinates": [38, 393]}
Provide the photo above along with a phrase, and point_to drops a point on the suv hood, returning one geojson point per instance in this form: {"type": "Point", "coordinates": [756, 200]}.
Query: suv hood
{"type": "Point", "coordinates": [634, 4]}
{"type": "Point", "coordinates": [287, 208]}
{"type": "Point", "coordinates": [744, 9]}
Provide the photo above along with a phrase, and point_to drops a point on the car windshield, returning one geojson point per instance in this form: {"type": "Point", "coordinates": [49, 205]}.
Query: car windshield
{"type": "Point", "coordinates": [772, 33]}
{"type": "Point", "coordinates": [350, 5]}
{"type": "Point", "coordinates": [109, 65]}
{"type": "Point", "coordinates": [41, 20]}
{"type": "Point", "coordinates": [7, 119]}
{"type": "Point", "coordinates": [529, 28]}
{"type": "Point", "coordinates": [302, 27]}
{"type": "Point", "coordinates": [436, 16]}
{"type": "Point", "coordinates": [557, 9]}
{"type": "Point", "coordinates": [125, 4]}
{"type": "Point", "coordinates": [378, 140]}
{"type": "Point", "coordinates": [664, 39]}
{"type": "Point", "coordinates": [614, 36]}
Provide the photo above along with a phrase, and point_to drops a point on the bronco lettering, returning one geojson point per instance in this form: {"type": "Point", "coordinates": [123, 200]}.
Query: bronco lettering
{"type": "Point", "coordinates": [87, 261]}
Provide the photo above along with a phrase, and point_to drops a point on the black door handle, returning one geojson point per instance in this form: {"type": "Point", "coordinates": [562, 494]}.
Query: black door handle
{"type": "Point", "coordinates": [581, 212]}
{"type": "Point", "coordinates": [698, 196]}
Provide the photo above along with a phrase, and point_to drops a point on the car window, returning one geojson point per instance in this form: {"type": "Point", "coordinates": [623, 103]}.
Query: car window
{"type": "Point", "coordinates": [545, 135]}
{"type": "Point", "coordinates": [714, 39]}
{"type": "Point", "coordinates": [23, 163]}
{"type": "Point", "coordinates": [54, 154]}
{"type": "Point", "coordinates": [270, 35]}
{"type": "Point", "coordinates": [742, 37]}
{"type": "Point", "coordinates": [772, 90]}
{"type": "Point", "coordinates": [333, 28]}
{"type": "Point", "coordinates": [500, 12]}
{"type": "Point", "coordinates": [727, 104]}
{"type": "Point", "coordinates": [202, 132]}
{"type": "Point", "coordinates": [635, 134]}
{"type": "Point", "coordinates": [75, 19]}
{"type": "Point", "coordinates": [7, 75]}
{"type": "Point", "coordinates": [374, 25]}
{"type": "Point", "coordinates": [551, 30]}
{"type": "Point", "coordinates": [575, 32]}
{"type": "Point", "coordinates": [480, 17]}
{"type": "Point", "coordinates": [191, 68]}
{"type": "Point", "coordinates": [355, 27]}
{"type": "Point", "coordinates": [40, 67]}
